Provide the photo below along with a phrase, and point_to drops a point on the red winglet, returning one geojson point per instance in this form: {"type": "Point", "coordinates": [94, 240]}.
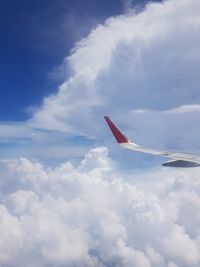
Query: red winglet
{"type": "Point", "coordinates": [116, 132]}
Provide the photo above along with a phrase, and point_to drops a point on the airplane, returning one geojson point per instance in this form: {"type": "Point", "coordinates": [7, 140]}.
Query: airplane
{"type": "Point", "coordinates": [178, 159]}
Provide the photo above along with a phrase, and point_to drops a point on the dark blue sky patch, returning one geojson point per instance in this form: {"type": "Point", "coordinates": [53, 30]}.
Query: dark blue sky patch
{"type": "Point", "coordinates": [35, 37]}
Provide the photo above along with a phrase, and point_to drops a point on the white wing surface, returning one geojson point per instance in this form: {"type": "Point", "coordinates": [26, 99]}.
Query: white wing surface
{"type": "Point", "coordinates": [178, 159]}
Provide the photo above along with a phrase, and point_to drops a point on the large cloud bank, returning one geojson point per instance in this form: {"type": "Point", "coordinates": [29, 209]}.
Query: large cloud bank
{"type": "Point", "coordinates": [139, 61]}
{"type": "Point", "coordinates": [89, 215]}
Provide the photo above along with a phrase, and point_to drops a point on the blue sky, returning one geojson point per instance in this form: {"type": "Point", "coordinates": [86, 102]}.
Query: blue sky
{"type": "Point", "coordinates": [33, 43]}
{"type": "Point", "coordinates": [36, 36]}
{"type": "Point", "coordinates": [66, 64]}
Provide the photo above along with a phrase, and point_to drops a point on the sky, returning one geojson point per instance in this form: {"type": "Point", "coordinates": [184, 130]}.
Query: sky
{"type": "Point", "coordinates": [37, 39]}
{"type": "Point", "coordinates": [69, 196]}
{"type": "Point", "coordinates": [36, 36]}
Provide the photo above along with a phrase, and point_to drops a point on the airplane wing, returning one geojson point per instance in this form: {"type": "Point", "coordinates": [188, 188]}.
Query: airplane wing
{"type": "Point", "coordinates": [178, 159]}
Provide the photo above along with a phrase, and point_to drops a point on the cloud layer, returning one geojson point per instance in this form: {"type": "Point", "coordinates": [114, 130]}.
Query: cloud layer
{"type": "Point", "coordinates": [90, 215]}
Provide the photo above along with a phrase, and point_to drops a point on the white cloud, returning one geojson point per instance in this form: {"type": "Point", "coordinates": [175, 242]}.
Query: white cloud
{"type": "Point", "coordinates": [173, 129]}
{"type": "Point", "coordinates": [148, 60]}
{"type": "Point", "coordinates": [91, 215]}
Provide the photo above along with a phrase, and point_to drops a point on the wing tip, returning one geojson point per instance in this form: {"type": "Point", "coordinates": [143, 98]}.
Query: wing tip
{"type": "Point", "coordinates": [106, 118]}
{"type": "Point", "coordinates": [119, 136]}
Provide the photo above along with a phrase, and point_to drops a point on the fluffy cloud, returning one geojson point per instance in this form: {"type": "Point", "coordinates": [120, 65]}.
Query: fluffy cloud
{"type": "Point", "coordinates": [90, 215]}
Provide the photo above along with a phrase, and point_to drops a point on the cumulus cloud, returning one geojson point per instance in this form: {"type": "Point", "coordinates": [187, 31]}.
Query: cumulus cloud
{"type": "Point", "coordinates": [91, 215]}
